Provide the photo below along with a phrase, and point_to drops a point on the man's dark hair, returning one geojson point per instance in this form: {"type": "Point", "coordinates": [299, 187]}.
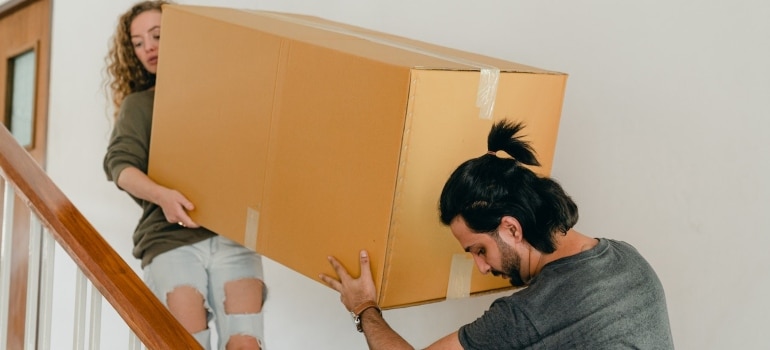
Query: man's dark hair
{"type": "Point", "coordinates": [484, 189]}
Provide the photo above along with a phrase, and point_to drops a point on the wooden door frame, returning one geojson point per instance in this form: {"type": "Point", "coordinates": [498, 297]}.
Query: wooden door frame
{"type": "Point", "coordinates": [42, 49]}
{"type": "Point", "coordinates": [20, 244]}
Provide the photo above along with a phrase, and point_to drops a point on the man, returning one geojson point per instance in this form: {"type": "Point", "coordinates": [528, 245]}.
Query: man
{"type": "Point", "coordinates": [581, 292]}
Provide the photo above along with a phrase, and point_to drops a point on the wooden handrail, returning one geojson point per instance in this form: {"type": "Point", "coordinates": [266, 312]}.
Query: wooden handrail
{"type": "Point", "coordinates": [120, 286]}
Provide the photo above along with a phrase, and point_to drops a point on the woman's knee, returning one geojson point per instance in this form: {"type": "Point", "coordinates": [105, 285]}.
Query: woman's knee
{"type": "Point", "coordinates": [188, 306]}
{"type": "Point", "coordinates": [244, 296]}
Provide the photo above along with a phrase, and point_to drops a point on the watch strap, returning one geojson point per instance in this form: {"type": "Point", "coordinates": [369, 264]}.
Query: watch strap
{"type": "Point", "coordinates": [358, 310]}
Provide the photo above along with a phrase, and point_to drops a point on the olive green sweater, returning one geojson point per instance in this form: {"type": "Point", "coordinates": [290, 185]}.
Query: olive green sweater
{"type": "Point", "coordinates": [130, 146]}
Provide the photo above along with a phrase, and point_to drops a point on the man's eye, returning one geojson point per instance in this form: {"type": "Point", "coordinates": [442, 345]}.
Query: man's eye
{"type": "Point", "coordinates": [481, 252]}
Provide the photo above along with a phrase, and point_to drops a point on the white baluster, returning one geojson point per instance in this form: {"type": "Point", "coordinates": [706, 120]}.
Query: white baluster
{"type": "Point", "coordinates": [46, 291]}
{"type": "Point", "coordinates": [133, 341]}
{"type": "Point", "coordinates": [96, 318]}
{"type": "Point", "coordinates": [78, 342]}
{"type": "Point", "coordinates": [33, 283]}
{"type": "Point", "coordinates": [6, 240]}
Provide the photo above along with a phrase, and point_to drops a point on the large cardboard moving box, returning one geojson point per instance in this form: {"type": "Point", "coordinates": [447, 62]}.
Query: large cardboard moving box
{"type": "Point", "coordinates": [303, 138]}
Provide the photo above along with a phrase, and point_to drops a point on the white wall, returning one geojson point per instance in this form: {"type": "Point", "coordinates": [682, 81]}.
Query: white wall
{"type": "Point", "coordinates": [662, 144]}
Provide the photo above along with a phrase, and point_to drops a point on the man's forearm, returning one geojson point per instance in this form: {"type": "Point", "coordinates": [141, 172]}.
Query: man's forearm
{"type": "Point", "coordinates": [378, 333]}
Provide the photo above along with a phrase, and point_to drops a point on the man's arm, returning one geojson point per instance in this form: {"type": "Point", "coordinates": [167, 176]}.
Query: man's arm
{"type": "Point", "coordinates": [450, 342]}
{"type": "Point", "coordinates": [378, 333]}
{"type": "Point", "coordinates": [355, 292]}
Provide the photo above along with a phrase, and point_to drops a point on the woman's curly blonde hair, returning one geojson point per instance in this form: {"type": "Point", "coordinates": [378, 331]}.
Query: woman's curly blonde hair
{"type": "Point", "coordinates": [126, 73]}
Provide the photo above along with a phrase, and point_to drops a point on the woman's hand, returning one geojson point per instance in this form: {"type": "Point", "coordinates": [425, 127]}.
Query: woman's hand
{"type": "Point", "coordinates": [175, 207]}
{"type": "Point", "coordinates": [173, 203]}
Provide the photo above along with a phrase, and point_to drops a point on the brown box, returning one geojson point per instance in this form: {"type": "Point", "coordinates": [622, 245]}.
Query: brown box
{"type": "Point", "coordinates": [303, 138]}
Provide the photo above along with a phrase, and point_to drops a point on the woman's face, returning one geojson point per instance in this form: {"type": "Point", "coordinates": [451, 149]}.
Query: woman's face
{"type": "Point", "coordinates": [145, 37]}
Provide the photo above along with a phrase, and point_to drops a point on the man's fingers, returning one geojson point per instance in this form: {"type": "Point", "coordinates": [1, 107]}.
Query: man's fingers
{"type": "Point", "coordinates": [331, 282]}
{"type": "Point", "coordinates": [342, 273]}
{"type": "Point", "coordinates": [366, 271]}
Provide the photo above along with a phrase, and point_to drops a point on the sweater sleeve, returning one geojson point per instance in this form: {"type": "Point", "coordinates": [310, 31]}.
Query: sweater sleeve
{"type": "Point", "coordinates": [130, 140]}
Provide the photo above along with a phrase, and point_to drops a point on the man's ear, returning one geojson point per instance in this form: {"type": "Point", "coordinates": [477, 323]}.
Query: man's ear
{"type": "Point", "coordinates": [511, 227]}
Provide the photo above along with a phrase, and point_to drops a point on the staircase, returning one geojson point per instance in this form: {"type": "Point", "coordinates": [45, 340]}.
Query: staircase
{"type": "Point", "coordinates": [36, 216]}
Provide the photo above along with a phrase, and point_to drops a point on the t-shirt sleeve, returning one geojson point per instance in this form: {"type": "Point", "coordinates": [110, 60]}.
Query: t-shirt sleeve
{"type": "Point", "coordinates": [503, 326]}
{"type": "Point", "coordinates": [130, 140]}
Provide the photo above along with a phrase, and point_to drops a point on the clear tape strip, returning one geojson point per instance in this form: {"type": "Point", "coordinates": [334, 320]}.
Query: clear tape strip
{"type": "Point", "coordinates": [252, 225]}
{"type": "Point", "coordinates": [460, 272]}
{"type": "Point", "coordinates": [489, 75]}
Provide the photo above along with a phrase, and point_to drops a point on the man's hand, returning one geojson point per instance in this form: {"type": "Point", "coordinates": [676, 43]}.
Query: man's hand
{"type": "Point", "coordinates": [353, 292]}
{"type": "Point", "coordinates": [356, 291]}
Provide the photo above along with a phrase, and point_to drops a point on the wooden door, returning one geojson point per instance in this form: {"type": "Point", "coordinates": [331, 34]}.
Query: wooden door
{"type": "Point", "coordinates": [25, 35]}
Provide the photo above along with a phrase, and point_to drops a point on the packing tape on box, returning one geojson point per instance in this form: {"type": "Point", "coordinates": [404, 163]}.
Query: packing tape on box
{"type": "Point", "coordinates": [460, 272]}
{"type": "Point", "coordinates": [252, 225]}
{"type": "Point", "coordinates": [488, 79]}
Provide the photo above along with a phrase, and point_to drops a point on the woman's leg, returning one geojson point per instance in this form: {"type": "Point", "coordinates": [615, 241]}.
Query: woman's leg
{"type": "Point", "coordinates": [179, 279]}
{"type": "Point", "coordinates": [238, 294]}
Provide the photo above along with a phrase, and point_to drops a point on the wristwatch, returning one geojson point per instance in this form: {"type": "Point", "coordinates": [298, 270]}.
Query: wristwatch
{"type": "Point", "coordinates": [358, 310]}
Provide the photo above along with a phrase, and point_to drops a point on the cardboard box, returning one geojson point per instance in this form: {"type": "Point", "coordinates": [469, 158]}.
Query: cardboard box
{"type": "Point", "coordinates": [303, 138]}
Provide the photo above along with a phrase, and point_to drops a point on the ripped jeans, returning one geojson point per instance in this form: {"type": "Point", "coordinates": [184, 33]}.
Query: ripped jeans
{"type": "Point", "coordinates": [206, 268]}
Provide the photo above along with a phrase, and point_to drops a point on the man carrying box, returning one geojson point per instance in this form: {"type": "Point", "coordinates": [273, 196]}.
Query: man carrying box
{"type": "Point", "coordinates": [581, 292]}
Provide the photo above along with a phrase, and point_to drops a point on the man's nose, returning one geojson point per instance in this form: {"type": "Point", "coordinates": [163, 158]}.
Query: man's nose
{"type": "Point", "coordinates": [482, 265]}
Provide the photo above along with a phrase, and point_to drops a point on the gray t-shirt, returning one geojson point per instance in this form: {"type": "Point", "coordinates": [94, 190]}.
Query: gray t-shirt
{"type": "Point", "coordinates": [607, 297]}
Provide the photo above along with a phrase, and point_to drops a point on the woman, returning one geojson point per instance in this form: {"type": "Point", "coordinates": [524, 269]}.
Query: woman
{"type": "Point", "coordinates": [196, 273]}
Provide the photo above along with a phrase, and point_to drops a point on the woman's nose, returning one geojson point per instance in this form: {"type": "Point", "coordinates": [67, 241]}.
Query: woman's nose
{"type": "Point", "coordinates": [152, 45]}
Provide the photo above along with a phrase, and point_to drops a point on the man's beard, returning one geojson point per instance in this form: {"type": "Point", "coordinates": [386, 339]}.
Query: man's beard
{"type": "Point", "coordinates": [509, 261]}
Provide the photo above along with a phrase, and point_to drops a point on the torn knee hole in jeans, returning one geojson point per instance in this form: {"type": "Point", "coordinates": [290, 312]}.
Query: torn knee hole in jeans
{"type": "Point", "coordinates": [244, 296]}
{"type": "Point", "coordinates": [186, 291]}
{"type": "Point", "coordinates": [243, 341]}
{"type": "Point", "coordinates": [188, 306]}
